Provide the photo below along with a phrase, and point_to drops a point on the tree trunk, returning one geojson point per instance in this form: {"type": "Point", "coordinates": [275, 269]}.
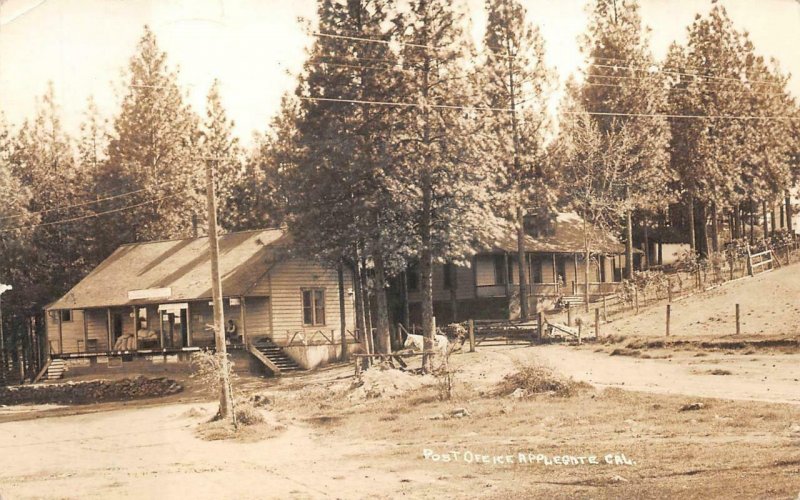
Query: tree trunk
{"type": "Point", "coordinates": [752, 223]}
{"type": "Point", "coordinates": [714, 228]}
{"type": "Point", "coordinates": [361, 316]}
{"type": "Point", "coordinates": [765, 222]}
{"type": "Point", "coordinates": [342, 309]}
{"type": "Point", "coordinates": [454, 292]}
{"type": "Point", "coordinates": [783, 214]}
{"type": "Point", "coordinates": [772, 218]}
{"type": "Point", "coordinates": [368, 324]}
{"type": "Point", "coordinates": [523, 275]}
{"type": "Point", "coordinates": [426, 285]}
{"type": "Point", "coordinates": [586, 264]}
{"type": "Point", "coordinates": [646, 245]}
{"type": "Point", "coordinates": [702, 219]}
{"type": "Point", "coordinates": [692, 238]}
{"type": "Point", "coordinates": [628, 246]}
{"type": "Point", "coordinates": [383, 339]}
{"type": "Point", "coordinates": [788, 204]}
{"type": "Point", "coordinates": [404, 292]}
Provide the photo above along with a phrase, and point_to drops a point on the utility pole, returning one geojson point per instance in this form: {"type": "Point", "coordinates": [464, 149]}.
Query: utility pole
{"type": "Point", "coordinates": [3, 288]}
{"type": "Point", "coordinates": [225, 397]}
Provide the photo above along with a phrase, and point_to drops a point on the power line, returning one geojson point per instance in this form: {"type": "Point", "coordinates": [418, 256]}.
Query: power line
{"type": "Point", "coordinates": [89, 216]}
{"type": "Point", "coordinates": [403, 104]}
{"type": "Point", "coordinates": [595, 113]}
{"type": "Point", "coordinates": [67, 207]}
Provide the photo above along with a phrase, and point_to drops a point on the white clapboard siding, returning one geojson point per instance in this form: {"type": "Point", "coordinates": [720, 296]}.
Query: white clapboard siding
{"type": "Point", "coordinates": [97, 327]}
{"type": "Point", "coordinates": [288, 279]}
{"type": "Point", "coordinates": [257, 320]}
{"type": "Point", "coordinates": [72, 332]}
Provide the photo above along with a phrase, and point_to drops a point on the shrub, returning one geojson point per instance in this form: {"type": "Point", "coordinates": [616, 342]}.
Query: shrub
{"type": "Point", "coordinates": [247, 414]}
{"type": "Point", "coordinates": [536, 379]}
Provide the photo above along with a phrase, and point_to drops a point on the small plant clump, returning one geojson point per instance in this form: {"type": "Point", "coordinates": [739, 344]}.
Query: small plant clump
{"type": "Point", "coordinates": [534, 379]}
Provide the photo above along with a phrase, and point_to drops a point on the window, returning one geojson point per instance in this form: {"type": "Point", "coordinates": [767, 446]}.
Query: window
{"type": "Point", "coordinates": [449, 272]}
{"type": "Point", "coordinates": [314, 307]}
{"type": "Point", "coordinates": [503, 271]}
{"type": "Point", "coordinates": [536, 270]}
{"type": "Point", "coordinates": [499, 269]}
{"type": "Point", "coordinates": [66, 315]}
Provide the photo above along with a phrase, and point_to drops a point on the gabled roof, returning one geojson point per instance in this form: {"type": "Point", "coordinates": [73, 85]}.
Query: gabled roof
{"type": "Point", "coordinates": [567, 237]}
{"type": "Point", "coordinates": [182, 266]}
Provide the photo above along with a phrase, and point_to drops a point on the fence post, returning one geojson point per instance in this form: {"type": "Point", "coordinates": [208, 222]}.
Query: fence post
{"type": "Point", "coordinates": [539, 324]}
{"type": "Point", "coordinates": [738, 324]}
{"type": "Point", "coordinates": [669, 289]}
{"type": "Point", "coordinates": [669, 306]}
{"type": "Point", "coordinates": [596, 323]}
{"type": "Point", "coordinates": [636, 299]}
{"type": "Point", "coordinates": [471, 336]}
{"type": "Point", "coordinates": [569, 314]}
{"type": "Point", "coordinates": [605, 311]}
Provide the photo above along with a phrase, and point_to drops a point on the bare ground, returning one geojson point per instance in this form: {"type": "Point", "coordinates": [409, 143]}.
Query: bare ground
{"type": "Point", "coordinates": [769, 305]}
{"type": "Point", "coordinates": [332, 447]}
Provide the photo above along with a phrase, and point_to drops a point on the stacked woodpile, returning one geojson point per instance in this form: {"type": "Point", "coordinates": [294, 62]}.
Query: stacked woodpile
{"type": "Point", "coordinates": [95, 391]}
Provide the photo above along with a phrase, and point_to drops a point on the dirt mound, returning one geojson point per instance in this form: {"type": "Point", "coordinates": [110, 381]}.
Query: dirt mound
{"type": "Point", "coordinates": [379, 382]}
{"type": "Point", "coordinates": [95, 391]}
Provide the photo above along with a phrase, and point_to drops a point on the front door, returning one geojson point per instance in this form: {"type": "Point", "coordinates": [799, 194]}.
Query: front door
{"type": "Point", "coordinates": [117, 325]}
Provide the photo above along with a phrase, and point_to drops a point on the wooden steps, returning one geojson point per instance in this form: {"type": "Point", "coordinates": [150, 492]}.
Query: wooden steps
{"type": "Point", "coordinates": [273, 357]}
{"type": "Point", "coordinates": [56, 369]}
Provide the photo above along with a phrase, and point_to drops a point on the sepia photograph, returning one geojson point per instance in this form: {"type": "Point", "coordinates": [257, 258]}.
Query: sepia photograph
{"type": "Point", "coordinates": [379, 249]}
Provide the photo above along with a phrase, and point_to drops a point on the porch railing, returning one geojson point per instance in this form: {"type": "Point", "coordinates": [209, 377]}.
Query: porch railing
{"type": "Point", "coordinates": [596, 288]}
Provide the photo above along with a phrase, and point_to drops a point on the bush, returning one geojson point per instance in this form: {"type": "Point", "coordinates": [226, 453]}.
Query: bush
{"type": "Point", "coordinates": [247, 414]}
{"type": "Point", "coordinates": [536, 379]}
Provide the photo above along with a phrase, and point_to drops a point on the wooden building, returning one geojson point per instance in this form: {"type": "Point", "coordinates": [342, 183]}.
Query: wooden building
{"type": "Point", "coordinates": [154, 298]}
{"type": "Point", "coordinates": [488, 288]}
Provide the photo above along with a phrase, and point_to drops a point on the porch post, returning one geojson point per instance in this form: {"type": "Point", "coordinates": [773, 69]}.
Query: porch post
{"type": "Point", "coordinates": [188, 324]}
{"type": "Point", "coordinates": [474, 277]}
{"type": "Point", "coordinates": [161, 329]}
{"type": "Point", "coordinates": [85, 332]}
{"type": "Point", "coordinates": [135, 328]}
{"type": "Point", "coordinates": [60, 334]}
{"type": "Point", "coordinates": [242, 320]}
{"type": "Point", "coordinates": [506, 274]}
{"type": "Point", "coordinates": [108, 327]}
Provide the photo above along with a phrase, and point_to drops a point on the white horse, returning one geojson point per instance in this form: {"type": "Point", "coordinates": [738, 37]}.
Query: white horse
{"type": "Point", "coordinates": [417, 343]}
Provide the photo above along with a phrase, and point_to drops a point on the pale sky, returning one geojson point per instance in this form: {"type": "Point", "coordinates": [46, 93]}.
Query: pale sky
{"type": "Point", "coordinates": [253, 45]}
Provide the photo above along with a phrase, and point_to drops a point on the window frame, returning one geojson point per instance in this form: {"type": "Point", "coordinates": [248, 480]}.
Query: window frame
{"type": "Point", "coordinates": [314, 306]}
{"type": "Point", "coordinates": [69, 317]}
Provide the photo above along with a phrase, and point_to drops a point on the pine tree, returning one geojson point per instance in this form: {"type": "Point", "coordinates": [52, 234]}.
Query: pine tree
{"type": "Point", "coordinates": [621, 88]}
{"type": "Point", "coordinates": [725, 163]}
{"type": "Point", "coordinates": [339, 177]}
{"type": "Point", "coordinates": [221, 147]}
{"type": "Point", "coordinates": [517, 82]}
{"type": "Point", "coordinates": [92, 147]}
{"type": "Point", "coordinates": [448, 182]}
{"type": "Point", "coordinates": [153, 148]}
{"type": "Point", "coordinates": [592, 165]}
{"type": "Point", "coordinates": [43, 161]}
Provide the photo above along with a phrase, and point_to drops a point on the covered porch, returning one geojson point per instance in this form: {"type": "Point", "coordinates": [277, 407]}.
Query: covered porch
{"type": "Point", "coordinates": [550, 274]}
{"type": "Point", "coordinates": [148, 328]}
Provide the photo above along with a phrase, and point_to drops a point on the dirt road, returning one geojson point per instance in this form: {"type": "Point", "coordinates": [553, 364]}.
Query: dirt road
{"type": "Point", "coordinates": [153, 453]}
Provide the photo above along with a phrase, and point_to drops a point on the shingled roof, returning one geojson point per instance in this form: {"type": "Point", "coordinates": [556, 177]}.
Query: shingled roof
{"type": "Point", "coordinates": [183, 266]}
{"type": "Point", "coordinates": [566, 238]}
